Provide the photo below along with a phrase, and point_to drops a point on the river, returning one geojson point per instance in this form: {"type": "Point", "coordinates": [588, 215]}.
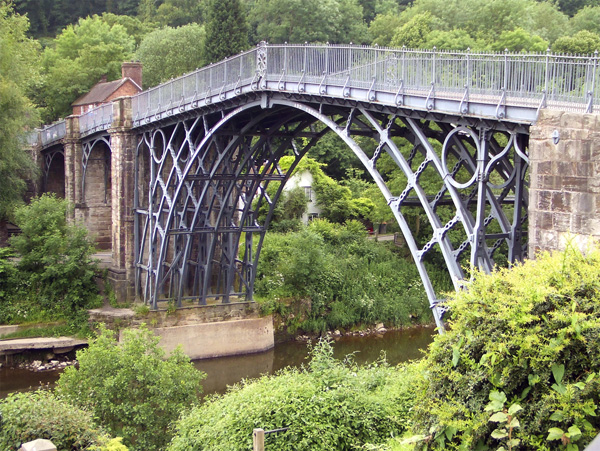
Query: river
{"type": "Point", "coordinates": [398, 346]}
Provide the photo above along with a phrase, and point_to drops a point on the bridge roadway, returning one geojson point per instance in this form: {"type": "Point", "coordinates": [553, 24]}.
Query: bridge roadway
{"type": "Point", "coordinates": [188, 163]}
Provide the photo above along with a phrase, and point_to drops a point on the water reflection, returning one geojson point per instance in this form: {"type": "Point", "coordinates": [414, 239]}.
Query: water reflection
{"type": "Point", "coordinates": [398, 346]}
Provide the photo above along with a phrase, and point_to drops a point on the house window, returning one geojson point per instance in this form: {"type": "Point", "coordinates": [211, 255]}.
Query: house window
{"type": "Point", "coordinates": [309, 193]}
{"type": "Point", "coordinates": [312, 216]}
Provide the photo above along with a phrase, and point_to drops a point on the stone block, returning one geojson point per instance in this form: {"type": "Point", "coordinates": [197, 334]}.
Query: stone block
{"type": "Point", "coordinates": [584, 169]}
{"type": "Point", "coordinates": [561, 222]}
{"type": "Point", "coordinates": [551, 182]}
{"type": "Point", "coordinates": [38, 445]}
{"type": "Point", "coordinates": [564, 168]}
{"type": "Point", "coordinates": [544, 220]}
{"type": "Point", "coordinates": [571, 120]}
{"type": "Point", "coordinates": [575, 184]}
{"type": "Point", "coordinates": [561, 201]}
{"type": "Point", "coordinates": [590, 121]}
{"type": "Point", "coordinates": [544, 200]}
{"type": "Point", "coordinates": [549, 118]}
{"type": "Point", "coordinates": [544, 168]}
{"type": "Point", "coordinates": [584, 203]}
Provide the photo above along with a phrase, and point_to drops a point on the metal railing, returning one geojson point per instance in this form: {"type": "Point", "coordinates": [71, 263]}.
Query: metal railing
{"type": "Point", "coordinates": [52, 133]}
{"type": "Point", "coordinates": [531, 81]}
{"type": "Point", "coordinates": [492, 81]}
{"type": "Point", "coordinates": [195, 88]}
{"type": "Point", "coordinates": [99, 118]}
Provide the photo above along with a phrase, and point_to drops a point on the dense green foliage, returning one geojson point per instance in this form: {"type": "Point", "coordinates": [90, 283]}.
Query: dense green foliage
{"type": "Point", "coordinates": [42, 414]}
{"type": "Point", "coordinates": [160, 52]}
{"type": "Point", "coordinates": [226, 30]}
{"type": "Point", "coordinates": [53, 277]}
{"type": "Point", "coordinates": [330, 276]}
{"type": "Point", "coordinates": [80, 55]}
{"type": "Point", "coordinates": [18, 71]}
{"type": "Point", "coordinates": [330, 405]}
{"type": "Point", "coordinates": [55, 271]}
{"type": "Point", "coordinates": [130, 388]}
{"type": "Point", "coordinates": [527, 336]}
{"type": "Point", "coordinates": [95, 37]}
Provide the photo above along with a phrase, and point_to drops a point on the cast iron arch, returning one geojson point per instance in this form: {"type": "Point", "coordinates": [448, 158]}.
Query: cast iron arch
{"type": "Point", "coordinates": [205, 174]}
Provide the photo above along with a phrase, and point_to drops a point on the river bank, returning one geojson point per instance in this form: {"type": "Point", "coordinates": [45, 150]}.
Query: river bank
{"type": "Point", "coordinates": [397, 345]}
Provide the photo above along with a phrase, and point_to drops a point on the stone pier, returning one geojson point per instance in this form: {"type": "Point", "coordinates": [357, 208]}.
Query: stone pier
{"type": "Point", "coordinates": [564, 195]}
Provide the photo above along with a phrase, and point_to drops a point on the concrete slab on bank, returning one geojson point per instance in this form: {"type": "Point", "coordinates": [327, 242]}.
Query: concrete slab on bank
{"type": "Point", "coordinates": [58, 345]}
{"type": "Point", "coordinates": [219, 339]}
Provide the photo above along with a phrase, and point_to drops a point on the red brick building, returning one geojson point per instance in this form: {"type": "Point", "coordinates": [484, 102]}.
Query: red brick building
{"type": "Point", "coordinates": [105, 91]}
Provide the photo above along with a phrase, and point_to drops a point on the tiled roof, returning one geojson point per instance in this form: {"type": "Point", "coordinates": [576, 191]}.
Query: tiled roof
{"type": "Point", "coordinates": [99, 92]}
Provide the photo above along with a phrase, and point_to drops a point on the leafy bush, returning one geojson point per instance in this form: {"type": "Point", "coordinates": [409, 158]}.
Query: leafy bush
{"type": "Point", "coordinates": [520, 365]}
{"type": "Point", "coordinates": [331, 405]}
{"type": "Point", "coordinates": [330, 276]}
{"type": "Point", "coordinates": [55, 266]}
{"type": "Point", "coordinates": [130, 388]}
{"type": "Point", "coordinates": [41, 414]}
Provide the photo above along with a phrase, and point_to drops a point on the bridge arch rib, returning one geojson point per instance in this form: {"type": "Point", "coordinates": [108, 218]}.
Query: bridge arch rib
{"type": "Point", "coordinates": [202, 180]}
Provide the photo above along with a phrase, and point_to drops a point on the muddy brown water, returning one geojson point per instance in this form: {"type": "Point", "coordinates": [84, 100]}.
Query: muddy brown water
{"type": "Point", "coordinates": [397, 346]}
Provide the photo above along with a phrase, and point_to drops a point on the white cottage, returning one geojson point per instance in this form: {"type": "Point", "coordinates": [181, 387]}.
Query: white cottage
{"type": "Point", "coordinates": [304, 179]}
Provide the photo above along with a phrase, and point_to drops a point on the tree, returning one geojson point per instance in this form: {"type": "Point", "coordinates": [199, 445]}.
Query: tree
{"type": "Point", "coordinates": [335, 155]}
{"type": "Point", "coordinates": [130, 388]}
{"type": "Point", "coordinates": [586, 19]}
{"type": "Point", "coordinates": [581, 43]}
{"type": "Point", "coordinates": [180, 12]}
{"type": "Point", "coordinates": [18, 70]}
{"type": "Point", "coordinates": [456, 39]}
{"type": "Point", "coordinates": [226, 30]}
{"type": "Point", "coordinates": [383, 28]}
{"type": "Point", "coordinates": [55, 257]}
{"type": "Point", "coordinates": [519, 40]}
{"type": "Point", "coordinates": [80, 56]}
{"type": "Point", "coordinates": [413, 34]}
{"type": "Point", "coordinates": [133, 25]}
{"type": "Point", "coordinates": [299, 21]}
{"type": "Point", "coordinates": [160, 52]}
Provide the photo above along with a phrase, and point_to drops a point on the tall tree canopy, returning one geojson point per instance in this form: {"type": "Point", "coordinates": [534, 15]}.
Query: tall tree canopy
{"type": "Point", "coordinates": [226, 30]}
{"type": "Point", "coordinates": [160, 52]}
{"type": "Point", "coordinates": [299, 21]}
{"type": "Point", "coordinates": [81, 55]}
{"type": "Point", "coordinates": [18, 69]}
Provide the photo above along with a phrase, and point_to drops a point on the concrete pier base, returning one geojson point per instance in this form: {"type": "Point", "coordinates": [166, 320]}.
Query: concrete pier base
{"type": "Point", "coordinates": [219, 339]}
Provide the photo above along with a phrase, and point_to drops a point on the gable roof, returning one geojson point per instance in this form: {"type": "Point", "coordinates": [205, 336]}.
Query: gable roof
{"type": "Point", "coordinates": [101, 91]}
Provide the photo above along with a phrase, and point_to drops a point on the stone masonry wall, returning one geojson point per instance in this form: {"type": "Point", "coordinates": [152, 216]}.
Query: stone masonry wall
{"type": "Point", "coordinates": [564, 195]}
{"type": "Point", "coordinates": [96, 211]}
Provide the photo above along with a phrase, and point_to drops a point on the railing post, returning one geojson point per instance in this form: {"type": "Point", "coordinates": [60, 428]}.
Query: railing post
{"type": "Point", "coordinates": [433, 66]}
{"type": "Point", "coordinates": [546, 76]}
{"type": "Point", "coordinates": [590, 105]}
{"type": "Point", "coordinates": [403, 64]}
{"type": "Point", "coordinates": [505, 81]}
{"type": "Point", "coordinates": [258, 440]}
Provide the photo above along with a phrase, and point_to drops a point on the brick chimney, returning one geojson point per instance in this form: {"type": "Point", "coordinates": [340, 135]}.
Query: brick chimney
{"type": "Point", "coordinates": [133, 70]}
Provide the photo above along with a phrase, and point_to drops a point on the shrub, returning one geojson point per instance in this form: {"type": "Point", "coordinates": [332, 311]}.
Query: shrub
{"type": "Point", "coordinates": [41, 414]}
{"type": "Point", "coordinates": [130, 388]}
{"type": "Point", "coordinates": [520, 357]}
{"type": "Point", "coordinates": [331, 405]}
{"type": "Point", "coordinates": [55, 257]}
{"type": "Point", "coordinates": [330, 276]}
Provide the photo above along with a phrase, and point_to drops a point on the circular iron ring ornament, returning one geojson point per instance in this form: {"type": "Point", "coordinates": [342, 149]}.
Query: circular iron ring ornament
{"type": "Point", "coordinates": [447, 175]}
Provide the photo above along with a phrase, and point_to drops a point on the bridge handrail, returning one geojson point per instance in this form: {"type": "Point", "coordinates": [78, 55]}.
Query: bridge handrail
{"type": "Point", "coordinates": [99, 118]}
{"type": "Point", "coordinates": [195, 86]}
{"type": "Point", "coordinates": [52, 133]}
{"type": "Point", "coordinates": [534, 81]}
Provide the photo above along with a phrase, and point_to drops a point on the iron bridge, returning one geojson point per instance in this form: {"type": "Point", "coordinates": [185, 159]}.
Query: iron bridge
{"type": "Point", "coordinates": [455, 124]}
